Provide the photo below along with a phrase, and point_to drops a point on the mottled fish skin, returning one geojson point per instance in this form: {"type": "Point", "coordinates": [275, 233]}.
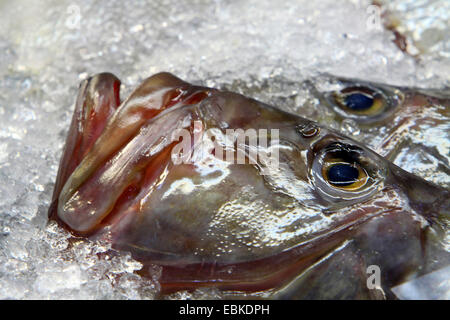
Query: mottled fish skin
{"type": "Point", "coordinates": [287, 233]}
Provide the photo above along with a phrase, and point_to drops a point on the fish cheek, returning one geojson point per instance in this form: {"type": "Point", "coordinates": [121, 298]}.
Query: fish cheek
{"type": "Point", "coordinates": [169, 226]}
{"type": "Point", "coordinates": [223, 218]}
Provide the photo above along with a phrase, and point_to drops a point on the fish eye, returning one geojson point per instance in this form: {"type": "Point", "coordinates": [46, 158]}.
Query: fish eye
{"type": "Point", "coordinates": [360, 100]}
{"type": "Point", "coordinates": [344, 172]}
{"type": "Point", "coordinates": [344, 175]}
{"type": "Point", "coordinates": [364, 103]}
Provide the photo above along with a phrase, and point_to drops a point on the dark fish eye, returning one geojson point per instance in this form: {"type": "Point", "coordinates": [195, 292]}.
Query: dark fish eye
{"type": "Point", "coordinates": [342, 174]}
{"type": "Point", "coordinates": [359, 101]}
{"type": "Point", "coordinates": [341, 169]}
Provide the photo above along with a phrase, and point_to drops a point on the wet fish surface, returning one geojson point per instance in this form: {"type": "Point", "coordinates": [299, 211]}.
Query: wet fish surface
{"type": "Point", "coordinates": [408, 126]}
{"type": "Point", "coordinates": [308, 227]}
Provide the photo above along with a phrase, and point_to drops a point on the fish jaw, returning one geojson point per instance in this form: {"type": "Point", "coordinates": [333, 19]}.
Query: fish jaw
{"type": "Point", "coordinates": [156, 94]}
{"type": "Point", "coordinates": [98, 98]}
{"type": "Point", "coordinates": [215, 223]}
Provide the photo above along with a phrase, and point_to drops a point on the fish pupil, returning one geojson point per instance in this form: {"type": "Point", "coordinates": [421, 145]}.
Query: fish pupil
{"type": "Point", "coordinates": [358, 101]}
{"type": "Point", "coordinates": [342, 175]}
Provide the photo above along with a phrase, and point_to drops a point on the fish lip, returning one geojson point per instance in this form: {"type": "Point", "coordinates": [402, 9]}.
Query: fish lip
{"type": "Point", "coordinates": [105, 87]}
{"type": "Point", "coordinates": [75, 221]}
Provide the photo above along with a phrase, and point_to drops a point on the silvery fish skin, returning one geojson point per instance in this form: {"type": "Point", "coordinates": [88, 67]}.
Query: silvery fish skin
{"type": "Point", "coordinates": [408, 126]}
{"type": "Point", "coordinates": [284, 231]}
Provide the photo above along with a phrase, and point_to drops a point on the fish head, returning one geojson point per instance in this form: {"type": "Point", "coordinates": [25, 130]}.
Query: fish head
{"type": "Point", "coordinates": [222, 190]}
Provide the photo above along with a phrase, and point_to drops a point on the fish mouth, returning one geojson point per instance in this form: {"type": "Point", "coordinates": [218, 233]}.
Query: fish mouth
{"type": "Point", "coordinates": [105, 163]}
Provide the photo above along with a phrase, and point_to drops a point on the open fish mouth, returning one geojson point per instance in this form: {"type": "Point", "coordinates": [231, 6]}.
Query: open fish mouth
{"type": "Point", "coordinates": [224, 191]}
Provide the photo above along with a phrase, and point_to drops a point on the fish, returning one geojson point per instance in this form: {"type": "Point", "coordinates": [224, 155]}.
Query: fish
{"type": "Point", "coordinates": [223, 191]}
{"type": "Point", "coordinates": [408, 126]}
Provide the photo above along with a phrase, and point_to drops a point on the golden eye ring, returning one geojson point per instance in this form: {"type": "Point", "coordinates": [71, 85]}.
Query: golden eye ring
{"type": "Point", "coordinates": [360, 101]}
{"type": "Point", "coordinates": [344, 175]}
